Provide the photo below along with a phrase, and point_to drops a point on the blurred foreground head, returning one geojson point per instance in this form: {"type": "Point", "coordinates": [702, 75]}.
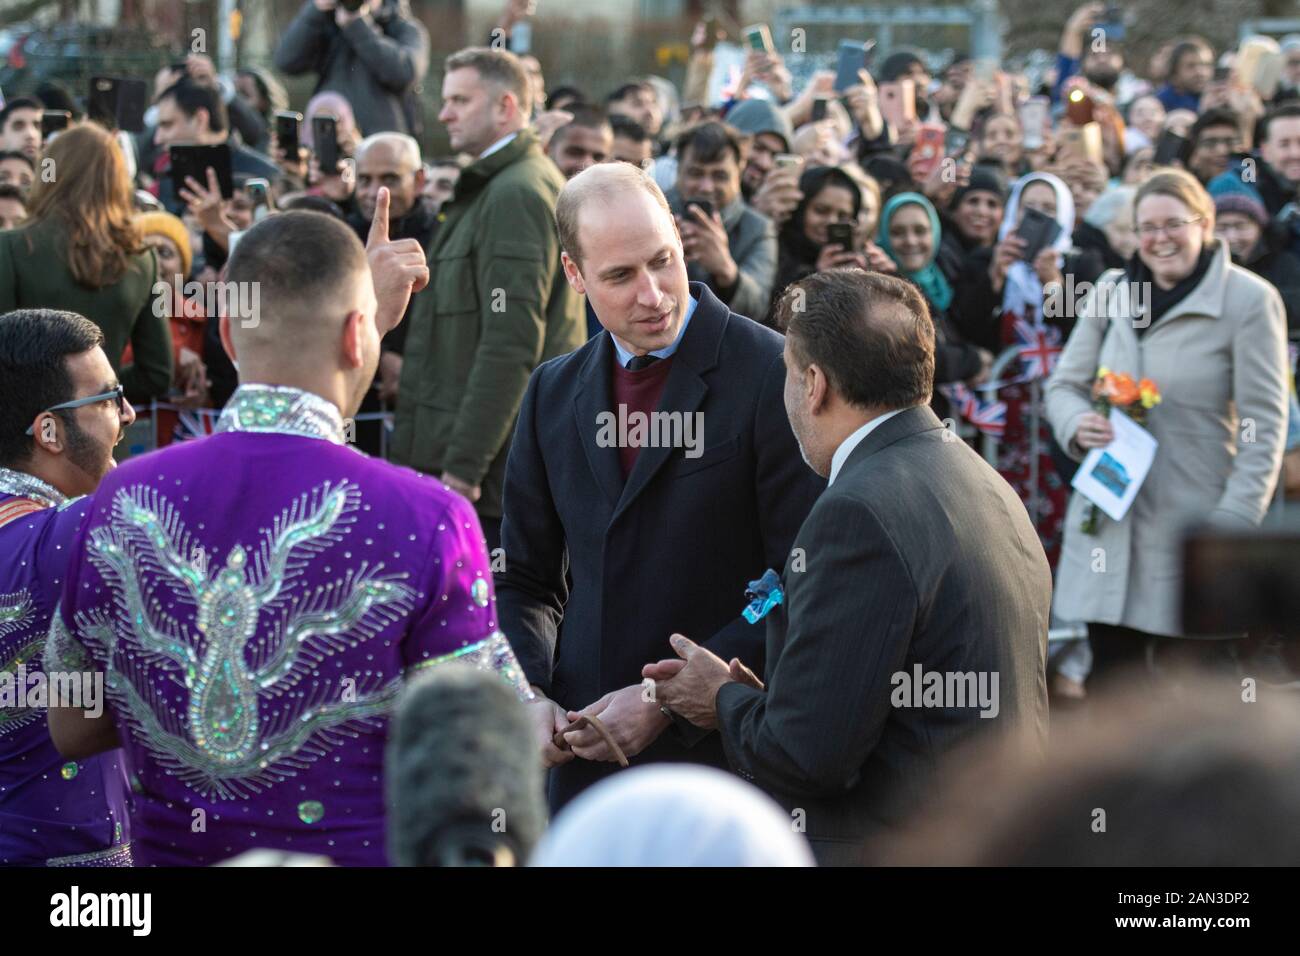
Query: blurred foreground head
{"type": "Point", "coordinates": [1189, 775]}
{"type": "Point", "coordinates": [673, 815]}
{"type": "Point", "coordinates": [465, 782]}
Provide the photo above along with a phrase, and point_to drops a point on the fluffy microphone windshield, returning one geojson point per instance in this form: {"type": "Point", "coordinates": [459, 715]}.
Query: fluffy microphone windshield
{"type": "Point", "coordinates": [464, 773]}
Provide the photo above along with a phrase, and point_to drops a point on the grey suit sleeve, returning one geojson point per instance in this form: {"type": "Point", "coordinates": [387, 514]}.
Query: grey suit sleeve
{"type": "Point", "coordinates": [851, 617]}
{"type": "Point", "coordinates": [756, 260]}
{"type": "Point", "coordinates": [531, 591]}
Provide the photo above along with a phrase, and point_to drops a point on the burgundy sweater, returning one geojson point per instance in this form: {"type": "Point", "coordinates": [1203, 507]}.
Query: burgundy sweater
{"type": "Point", "coordinates": [640, 392]}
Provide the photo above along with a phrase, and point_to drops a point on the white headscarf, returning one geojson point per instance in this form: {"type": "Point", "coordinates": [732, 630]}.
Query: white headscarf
{"type": "Point", "coordinates": [672, 815]}
{"type": "Point", "coordinates": [1022, 293]}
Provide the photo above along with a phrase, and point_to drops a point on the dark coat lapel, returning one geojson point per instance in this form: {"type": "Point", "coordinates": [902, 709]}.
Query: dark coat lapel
{"type": "Point", "coordinates": [591, 401]}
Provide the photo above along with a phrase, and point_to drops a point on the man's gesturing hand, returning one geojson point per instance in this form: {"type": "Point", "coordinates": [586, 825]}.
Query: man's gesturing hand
{"type": "Point", "coordinates": [633, 721]}
{"type": "Point", "coordinates": [399, 268]}
{"type": "Point", "coordinates": [548, 719]}
{"type": "Point", "coordinates": [690, 691]}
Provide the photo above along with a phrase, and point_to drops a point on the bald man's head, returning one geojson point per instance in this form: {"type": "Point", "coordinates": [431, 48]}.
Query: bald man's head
{"type": "Point", "coordinates": [392, 160]}
{"type": "Point", "coordinates": [600, 187]}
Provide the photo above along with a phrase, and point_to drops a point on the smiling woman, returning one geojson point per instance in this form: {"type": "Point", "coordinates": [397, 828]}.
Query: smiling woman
{"type": "Point", "coordinates": [1213, 340]}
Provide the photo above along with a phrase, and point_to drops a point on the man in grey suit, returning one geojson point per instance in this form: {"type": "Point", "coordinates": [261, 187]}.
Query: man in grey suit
{"type": "Point", "coordinates": [916, 595]}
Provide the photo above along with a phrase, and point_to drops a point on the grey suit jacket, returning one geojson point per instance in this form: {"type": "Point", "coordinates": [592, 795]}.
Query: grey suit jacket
{"type": "Point", "coordinates": [918, 555]}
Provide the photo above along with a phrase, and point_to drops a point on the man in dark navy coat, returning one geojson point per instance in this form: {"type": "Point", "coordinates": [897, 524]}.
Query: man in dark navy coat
{"type": "Point", "coordinates": [652, 475]}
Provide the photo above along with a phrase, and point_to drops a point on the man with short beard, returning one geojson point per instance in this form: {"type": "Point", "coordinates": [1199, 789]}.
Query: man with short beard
{"type": "Point", "coordinates": [61, 412]}
{"type": "Point", "coordinates": [20, 127]}
{"type": "Point", "coordinates": [1100, 63]}
{"type": "Point", "coordinates": [390, 161]}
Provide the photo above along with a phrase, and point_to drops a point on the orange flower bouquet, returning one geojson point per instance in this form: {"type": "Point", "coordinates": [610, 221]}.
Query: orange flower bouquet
{"type": "Point", "coordinates": [1133, 398]}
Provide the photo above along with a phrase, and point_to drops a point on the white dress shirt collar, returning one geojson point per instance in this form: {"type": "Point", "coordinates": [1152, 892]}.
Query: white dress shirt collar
{"type": "Point", "coordinates": [624, 356]}
{"type": "Point", "coordinates": [499, 144]}
{"type": "Point", "coordinates": [846, 447]}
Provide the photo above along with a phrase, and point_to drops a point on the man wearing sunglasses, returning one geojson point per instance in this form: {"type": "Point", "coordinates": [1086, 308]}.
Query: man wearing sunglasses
{"type": "Point", "coordinates": [61, 413]}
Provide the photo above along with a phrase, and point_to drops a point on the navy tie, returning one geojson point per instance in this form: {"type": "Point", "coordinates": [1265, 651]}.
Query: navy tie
{"type": "Point", "coordinates": [638, 362]}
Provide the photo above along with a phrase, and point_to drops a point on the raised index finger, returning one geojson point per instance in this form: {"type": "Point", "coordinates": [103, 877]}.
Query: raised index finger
{"type": "Point", "coordinates": [379, 225]}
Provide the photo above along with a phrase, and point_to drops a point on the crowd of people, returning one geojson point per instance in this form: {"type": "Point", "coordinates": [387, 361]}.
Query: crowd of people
{"type": "Point", "coordinates": [668, 410]}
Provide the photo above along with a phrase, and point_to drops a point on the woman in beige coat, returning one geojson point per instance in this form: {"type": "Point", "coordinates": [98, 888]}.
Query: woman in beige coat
{"type": "Point", "coordinates": [1212, 337]}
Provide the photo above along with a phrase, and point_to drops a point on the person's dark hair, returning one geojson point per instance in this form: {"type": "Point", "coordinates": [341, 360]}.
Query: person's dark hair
{"type": "Point", "coordinates": [811, 183]}
{"type": "Point", "coordinates": [34, 347]}
{"type": "Point", "coordinates": [628, 128]}
{"type": "Point", "coordinates": [1182, 49]}
{"type": "Point", "coordinates": [898, 63]}
{"type": "Point", "coordinates": [586, 117]}
{"type": "Point", "coordinates": [891, 173]}
{"type": "Point", "coordinates": [13, 154]}
{"type": "Point", "coordinates": [626, 90]}
{"type": "Point", "coordinates": [1218, 116]}
{"type": "Point", "coordinates": [268, 87]}
{"type": "Point", "coordinates": [19, 103]}
{"type": "Point", "coordinates": [871, 334]}
{"type": "Point", "coordinates": [561, 93]}
{"type": "Point", "coordinates": [709, 141]}
{"type": "Point", "coordinates": [321, 204]}
{"type": "Point", "coordinates": [1287, 111]}
{"type": "Point", "coordinates": [55, 96]}
{"type": "Point", "coordinates": [191, 97]}
{"type": "Point", "coordinates": [292, 255]}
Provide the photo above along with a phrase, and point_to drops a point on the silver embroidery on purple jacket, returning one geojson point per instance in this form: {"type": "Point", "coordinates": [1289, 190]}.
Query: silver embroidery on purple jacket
{"type": "Point", "coordinates": [226, 662]}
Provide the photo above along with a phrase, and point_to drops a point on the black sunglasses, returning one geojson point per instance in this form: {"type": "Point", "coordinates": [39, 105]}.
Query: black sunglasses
{"type": "Point", "coordinates": [118, 393]}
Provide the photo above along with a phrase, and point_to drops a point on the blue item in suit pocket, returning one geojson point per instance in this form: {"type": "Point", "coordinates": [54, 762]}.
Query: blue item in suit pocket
{"type": "Point", "coordinates": [763, 594]}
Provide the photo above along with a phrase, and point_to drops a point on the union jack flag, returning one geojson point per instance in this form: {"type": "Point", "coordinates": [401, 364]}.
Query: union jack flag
{"type": "Point", "coordinates": [988, 417]}
{"type": "Point", "coordinates": [1040, 347]}
{"type": "Point", "coordinates": [195, 423]}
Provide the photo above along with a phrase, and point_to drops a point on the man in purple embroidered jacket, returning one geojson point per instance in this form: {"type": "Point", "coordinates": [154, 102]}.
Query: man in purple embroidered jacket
{"type": "Point", "coordinates": [257, 597]}
{"type": "Point", "coordinates": [61, 412]}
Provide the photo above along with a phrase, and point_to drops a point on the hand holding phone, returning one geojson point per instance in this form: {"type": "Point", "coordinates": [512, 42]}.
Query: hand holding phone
{"type": "Point", "coordinates": [287, 127]}
{"type": "Point", "coordinates": [193, 162]}
{"type": "Point", "coordinates": [325, 137]}
{"type": "Point", "coordinates": [840, 234]}
{"type": "Point", "coordinates": [758, 37]}
{"type": "Point", "coordinates": [853, 56]}
{"type": "Point", "coordinates": [1038, 231]}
